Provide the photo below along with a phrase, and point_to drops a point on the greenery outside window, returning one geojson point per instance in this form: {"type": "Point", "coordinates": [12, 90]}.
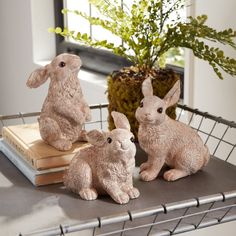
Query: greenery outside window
{"type": "Point", "coordinates": [100, 60]}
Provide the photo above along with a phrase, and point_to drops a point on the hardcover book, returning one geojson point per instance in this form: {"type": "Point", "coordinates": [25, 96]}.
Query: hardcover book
{"type": "Point", "coordinates": [26, 140]}
{"type": "Point", "coordinates": [36, 177]}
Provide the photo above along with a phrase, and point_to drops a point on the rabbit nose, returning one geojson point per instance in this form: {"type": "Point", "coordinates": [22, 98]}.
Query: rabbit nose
{"type": "Point", "coordinates": [122, 144]}
{"type": "Point", "coordinates": [147, 114]}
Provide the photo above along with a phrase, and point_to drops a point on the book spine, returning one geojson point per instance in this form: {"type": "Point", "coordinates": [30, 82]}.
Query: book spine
{"type": "Point", "coordinates": [19, 146]}
{"type": "Point", "coordinates": [37, 178]}
{"type": "Point", "coordinates": [55, 162]}
{"type": "Point", "coordinates": [26, 170]}
{"type": "Point", "coordinates": [50, 178]}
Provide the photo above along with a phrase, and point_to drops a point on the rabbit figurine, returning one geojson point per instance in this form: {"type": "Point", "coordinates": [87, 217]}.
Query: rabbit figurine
{"type": "Point", "coordinates": [166, 140]}
{"type": "Point", "coordinates": [64, 110]}
{"type": "Point", "coordinates": [106, 166]}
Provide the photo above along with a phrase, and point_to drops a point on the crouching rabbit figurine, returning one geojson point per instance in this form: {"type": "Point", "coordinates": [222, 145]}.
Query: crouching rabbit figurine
{"type": "Point", "coordinates": [64, 110]}
{"type": "Point", "coordinates": [106, 166]}
{"type": "Point", "coordinates": [166, 140]}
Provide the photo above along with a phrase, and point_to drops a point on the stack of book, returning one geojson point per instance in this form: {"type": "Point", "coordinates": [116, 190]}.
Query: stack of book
{"type": "Point", "coordinates": [39, 162]}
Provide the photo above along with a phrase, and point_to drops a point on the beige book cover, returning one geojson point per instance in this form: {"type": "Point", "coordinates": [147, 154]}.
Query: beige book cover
{"type": "Point", "coordinates": [26, 140]}
{"type": "Point", "coordinates": [36, 177]}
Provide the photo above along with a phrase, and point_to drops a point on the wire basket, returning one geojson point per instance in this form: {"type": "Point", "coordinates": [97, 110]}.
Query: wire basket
{"type": "Point", "coordinates": [191, 210]}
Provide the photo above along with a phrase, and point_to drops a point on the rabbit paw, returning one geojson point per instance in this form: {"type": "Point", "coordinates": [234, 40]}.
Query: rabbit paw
{"type": "Point", "coordinates": [121, 198]}
{"type": "Point", "coordinates": [83, 136]}
{"type": "Point", "coordinates": [174, 174]}
{"type": "Point", "coordinates": [88, 194]}
{"type": "Point", "coordinates": [133, 193]}
{"type": "Point", "coordinates": [144, 166]}
{"type": "Point", "coordinates": [79, 118]}
{"type": "Point", "coordinates": [147, 175]}
{"type": "Point", "coordinates": [62, 144]}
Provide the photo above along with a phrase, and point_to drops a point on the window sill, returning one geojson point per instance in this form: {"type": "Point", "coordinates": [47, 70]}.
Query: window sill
{"type": "Point", "coordinates": [86, 75]}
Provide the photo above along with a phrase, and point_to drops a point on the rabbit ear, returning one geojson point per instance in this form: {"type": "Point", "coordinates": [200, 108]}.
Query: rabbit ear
{"type": "Point", "coordinates": [172, 97]}
{"type": "Point", "coordinates": [96, 137]}
{"type": "Point", "coordinates": [120, 120]}
{"type": "Point", "coordinates": [38, 77]}
{"type": "Point", "coordinates": [147, 87]}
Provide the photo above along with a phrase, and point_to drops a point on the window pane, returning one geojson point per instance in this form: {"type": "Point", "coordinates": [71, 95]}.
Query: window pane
{"type": "Point", "coordinates": [128, 3]}
{"type": "Point", "coordinates": [75, 22]}
{"type": "Point", "coordinates": [102, 34]}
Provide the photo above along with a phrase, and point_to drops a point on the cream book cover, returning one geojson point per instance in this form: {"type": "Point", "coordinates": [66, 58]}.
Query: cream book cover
{"type": "Point", "coordinates": [36, 177]}
{"type": "Point", "coordinates": [26, 140]}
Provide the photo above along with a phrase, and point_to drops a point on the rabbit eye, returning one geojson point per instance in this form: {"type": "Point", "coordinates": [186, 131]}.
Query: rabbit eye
{"type": "Point", "coordinates": [109, 140]}
{"type": "Point", "coordinates": [160, 110]}
{"type": "Point", "coordinates": [62, 64]}
{"type": "Point", "coordinates": [132, 139]}
{"type": "Point", "coordinates": [141, 104]}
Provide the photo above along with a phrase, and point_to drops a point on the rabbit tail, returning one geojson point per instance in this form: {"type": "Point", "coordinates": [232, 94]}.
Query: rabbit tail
{"type": "Point", "coordinates": [206, 156]}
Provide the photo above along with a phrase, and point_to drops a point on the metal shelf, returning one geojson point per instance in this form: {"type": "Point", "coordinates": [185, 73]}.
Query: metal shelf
{"type": "Point", "coordinates": [204, 199]}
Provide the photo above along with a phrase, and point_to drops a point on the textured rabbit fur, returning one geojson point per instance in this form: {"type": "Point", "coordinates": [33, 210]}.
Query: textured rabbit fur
{"type": "Point", "coordinates": [166, 140]}
{"type": "Point", "coordinates": [106, 166]}
{"type": "Point", "coordinates": [64, 110]}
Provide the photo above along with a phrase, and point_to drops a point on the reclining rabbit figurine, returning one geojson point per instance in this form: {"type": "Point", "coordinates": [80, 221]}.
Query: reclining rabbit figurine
{"type": "Point", "coordinates": [106, 166]}
{"type": "Point", "coordinates": [64, 110]}
{"type": "Point", "coordinates": [166, 140]}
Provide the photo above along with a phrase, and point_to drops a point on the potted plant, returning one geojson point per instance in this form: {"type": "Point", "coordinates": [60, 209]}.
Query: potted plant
{"type": "Point", "coordinates": [149, 29]}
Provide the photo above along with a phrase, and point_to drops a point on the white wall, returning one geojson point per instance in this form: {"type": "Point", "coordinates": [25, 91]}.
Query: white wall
{"type": "Point", "coordinates": [24, 43]}
{"type": "Point", "coordinates": [17, 55]}
{"type": "Point", "coordinates": [206, 91]}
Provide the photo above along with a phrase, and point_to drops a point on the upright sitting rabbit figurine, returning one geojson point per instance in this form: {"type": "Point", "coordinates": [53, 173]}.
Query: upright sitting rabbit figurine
{"type": "Point", "coordinates": [106, 166]}
{"type": "Point", "coordinates": [166, 140]}
{"type": "Point", "coordinates": [64, 110]}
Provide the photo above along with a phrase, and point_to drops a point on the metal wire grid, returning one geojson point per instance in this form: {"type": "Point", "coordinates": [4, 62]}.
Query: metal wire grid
{"type": "Point", "coordinates": [140, 223]}
{"type": "Point", "coordinates": [168, 219]}
{"type": "Point", "coordinates": [99, 114]}
{"type": "Point", "coordinates": [218, 134]}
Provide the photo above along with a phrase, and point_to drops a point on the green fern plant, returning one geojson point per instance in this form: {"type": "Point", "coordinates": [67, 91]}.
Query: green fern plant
{"type": "Point", "coordinates": [150, 28]}
{"type": "Point", "coordinates": [150, 31]}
